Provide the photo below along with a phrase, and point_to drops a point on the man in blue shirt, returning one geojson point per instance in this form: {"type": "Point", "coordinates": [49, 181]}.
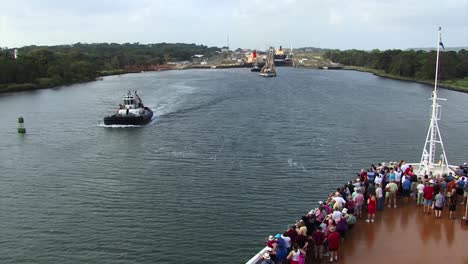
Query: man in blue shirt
{"type": "Point", "coordinates": [449, 177]}
{"type": "Point", "coordinates": [461, 185]}
{"type": "Point", "coordinates": [406, 188]}
{"type": "Point", "coordinates": [371, 176]}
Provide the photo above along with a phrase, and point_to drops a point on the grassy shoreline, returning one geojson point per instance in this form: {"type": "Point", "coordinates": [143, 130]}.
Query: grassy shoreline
{"type": "Point", "coordinates": [460, 85]}
{"type": "Point", "coordinates": [46, 83]}
{"type": "Point", "coordinates": [23, 87]}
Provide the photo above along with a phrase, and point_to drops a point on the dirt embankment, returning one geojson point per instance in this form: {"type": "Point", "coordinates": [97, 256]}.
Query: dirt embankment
{"type": "Point", "coordinates": [314, 61]}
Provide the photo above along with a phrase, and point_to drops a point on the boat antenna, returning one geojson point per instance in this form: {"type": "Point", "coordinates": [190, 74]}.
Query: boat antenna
{"type": "Point", "coordinates": [428, 164]}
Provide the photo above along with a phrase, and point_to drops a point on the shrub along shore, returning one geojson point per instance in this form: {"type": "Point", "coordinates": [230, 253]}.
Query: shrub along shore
{"type": "Point", "coordinates": [460, 85]}
{"type": "Point", "coordinates": [39, 67]}
{"type": "Point", "coordinates": [416, 66]}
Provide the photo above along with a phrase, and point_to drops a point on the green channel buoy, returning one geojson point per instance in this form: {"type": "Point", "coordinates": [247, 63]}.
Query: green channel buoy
{"type": "Point", "coordinates": [21, 129]}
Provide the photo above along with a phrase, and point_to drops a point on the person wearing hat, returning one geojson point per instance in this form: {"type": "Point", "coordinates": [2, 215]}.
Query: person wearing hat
{"type": "Point", "coordinates": [339, 201]}
{"type": "Point", "coordinates": [342, 226]}
{"type": "Point", "coordinates": [428, 194]}
{"type": "Point", "coordinates": [280, 249]}
{"type": "Point", "coordinates": [270, 242]}
{"type": "Point", "coordinates": [333, 239]}
{"type": "Point", "coordinates": [267, 259]}
{"type": "Point", "coordinates": [350, 219]}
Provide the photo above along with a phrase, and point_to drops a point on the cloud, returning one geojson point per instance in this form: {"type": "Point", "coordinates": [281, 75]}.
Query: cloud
{"type": "Point", "coordinates": [364, 24]}
{"type": "Point", "coordinates": [334, 18]}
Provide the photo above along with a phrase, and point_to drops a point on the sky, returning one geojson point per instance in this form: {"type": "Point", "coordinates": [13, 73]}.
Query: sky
{"type": "Point", "coordinates": [256, 24]}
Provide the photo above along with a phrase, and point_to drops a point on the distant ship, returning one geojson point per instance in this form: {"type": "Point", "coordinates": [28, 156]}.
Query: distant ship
{"type": "Point", "coordinates": [269, 69]}
{"type": "Point", "coordinates": [279, 56]}
{"type": "Point", "coordinates": [131, 112]}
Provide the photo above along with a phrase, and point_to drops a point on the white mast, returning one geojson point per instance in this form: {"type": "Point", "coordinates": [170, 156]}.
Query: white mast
{"type": "Point", "coordinates": [428, 165]}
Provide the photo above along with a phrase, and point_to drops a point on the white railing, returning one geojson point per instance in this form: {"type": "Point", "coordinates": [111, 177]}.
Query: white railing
{"type": "Point", "coordinates": [258, 257]}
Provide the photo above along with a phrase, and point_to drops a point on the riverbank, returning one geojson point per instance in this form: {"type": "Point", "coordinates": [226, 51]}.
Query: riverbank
{"type": "Point", "coordinates": [45, 83]}
{"type": "Point", "coordinates": [460, 85]}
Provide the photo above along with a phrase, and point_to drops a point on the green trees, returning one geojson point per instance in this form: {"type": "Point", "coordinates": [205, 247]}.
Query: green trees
{"type": "Point", "coordinates": [64, 64]}
{"type": "Point", "coordinates": [412, 64]}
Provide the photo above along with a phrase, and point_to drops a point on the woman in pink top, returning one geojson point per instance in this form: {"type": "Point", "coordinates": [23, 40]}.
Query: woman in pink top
{"type": "Point", "coordinates": [296, 254]}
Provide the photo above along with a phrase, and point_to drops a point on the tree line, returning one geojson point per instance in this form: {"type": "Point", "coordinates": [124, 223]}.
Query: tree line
{"type": "Point", "coordinates": [412, 64]}
{"type": "Point", "coordinates": [47, 66]}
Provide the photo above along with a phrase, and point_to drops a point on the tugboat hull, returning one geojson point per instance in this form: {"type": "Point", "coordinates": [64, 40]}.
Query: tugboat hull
{"type": "Point", "coordinates": [129, 119]}
{"type": "Point", "coordinates": [268, 74]}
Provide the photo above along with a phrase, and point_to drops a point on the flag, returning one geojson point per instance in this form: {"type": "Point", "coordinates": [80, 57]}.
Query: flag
{"type": "Point", "coordinates": [441, 44]}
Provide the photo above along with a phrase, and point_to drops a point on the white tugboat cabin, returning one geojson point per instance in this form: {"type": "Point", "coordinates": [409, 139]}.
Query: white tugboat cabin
{"type": "Point", "coordinates": [131, 112]}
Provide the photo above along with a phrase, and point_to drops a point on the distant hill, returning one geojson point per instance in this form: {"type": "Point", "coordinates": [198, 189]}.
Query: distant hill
{"type": "Point", "coordinates": [311, 50]}
{"type": "Point", "coordinates": [446, 49]}
{"type": "Point", "coordinates": [323, 51]}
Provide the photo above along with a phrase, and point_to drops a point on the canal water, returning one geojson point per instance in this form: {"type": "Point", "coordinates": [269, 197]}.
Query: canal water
{"type": "Point", "coordinates": [229, 159]}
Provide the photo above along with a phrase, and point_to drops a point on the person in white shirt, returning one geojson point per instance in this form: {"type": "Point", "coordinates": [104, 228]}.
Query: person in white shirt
{"type": "Point", "coordinates": [287, 241]}
{"type": "Point", "coordinates": [420, 189]}
{"type": "Point", "coordinates": [339, 201]}
{"type": "Point", "coordinates": [378, 179]}
{"type": "Point", "coordinates": [398, 180]}
{"type": "Point", "coordinates": [404, 167]}
{"type": "Point", "coordinates": [379, 196]}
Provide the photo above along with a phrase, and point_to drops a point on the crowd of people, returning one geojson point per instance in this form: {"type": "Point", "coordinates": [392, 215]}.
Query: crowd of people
{"type": "Point", "coordinates": [319, 233]}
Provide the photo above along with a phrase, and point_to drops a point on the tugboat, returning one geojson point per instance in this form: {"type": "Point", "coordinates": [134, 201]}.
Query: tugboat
{"type": "Point", "coordinates": [131, 112]}
{"type": "Point", "coordinates": [255, 68]}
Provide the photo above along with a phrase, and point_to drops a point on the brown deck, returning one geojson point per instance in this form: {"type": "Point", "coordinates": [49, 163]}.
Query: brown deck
{"type": "Point", "coordinates": [406, 235]}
